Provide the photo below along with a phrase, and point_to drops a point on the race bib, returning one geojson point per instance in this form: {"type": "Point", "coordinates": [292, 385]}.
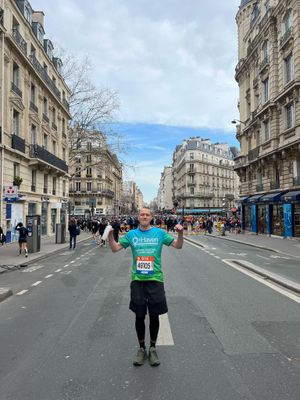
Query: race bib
{"type": "Point", "coordinates": [145, 265]}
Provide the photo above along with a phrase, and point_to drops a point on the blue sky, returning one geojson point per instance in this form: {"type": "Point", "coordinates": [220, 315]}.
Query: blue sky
{"type": "Point", "coordinates": [172, 63]}
{"type": "Point", "coordinates": [149, 147]}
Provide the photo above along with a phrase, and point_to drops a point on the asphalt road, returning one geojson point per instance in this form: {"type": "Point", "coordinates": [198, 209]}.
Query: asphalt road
{"type": "Point", "coordinates": [67, 333]}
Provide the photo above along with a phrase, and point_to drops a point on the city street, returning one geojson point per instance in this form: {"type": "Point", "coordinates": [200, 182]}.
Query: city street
{"type": "Point", "coordinates": [67, 332]}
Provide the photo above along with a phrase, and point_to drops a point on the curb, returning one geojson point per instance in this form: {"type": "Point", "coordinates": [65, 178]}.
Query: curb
{"type": "Point", "coordinates": [291, 285]}
{"type": "Point", "coordinates": [13, 267]}
{"type": "Point", "coordinates": [5, 293]}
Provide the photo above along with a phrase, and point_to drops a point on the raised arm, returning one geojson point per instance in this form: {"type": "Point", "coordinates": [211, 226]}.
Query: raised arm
{"type": "Point", "coordinates": [178, 243]}
{"type": "Point", "coordinates": [115, 246]}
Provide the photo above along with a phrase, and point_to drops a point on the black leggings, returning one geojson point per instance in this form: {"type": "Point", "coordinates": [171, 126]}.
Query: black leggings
{"type": "Point", "coordinates": [153, 327]}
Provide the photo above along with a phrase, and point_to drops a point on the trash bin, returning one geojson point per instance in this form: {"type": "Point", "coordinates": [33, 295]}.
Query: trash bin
{"type": "Point", "coordinates": [60, 233]}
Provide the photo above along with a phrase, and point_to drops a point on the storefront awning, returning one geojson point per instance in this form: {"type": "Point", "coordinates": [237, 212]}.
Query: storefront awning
{"type": "Point", "coordinates": [292, 196]}
{"type": "Point", "coordinates": [271, 197]}
{"type": "Point", "coordinates": [243, 199]}
{"type": "Point", "coordinates": [255, 198]}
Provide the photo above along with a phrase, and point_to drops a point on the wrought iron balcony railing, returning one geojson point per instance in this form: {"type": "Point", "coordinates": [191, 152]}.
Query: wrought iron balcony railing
{"type": "Point", "coordinates": [45, 118]}
{"type": "Point", "coordinates": [296, 181]}
{"type": "Point", "coordinates": [33, 188]}
{"type": "Point", "coordinates": [54, 126]}
{"type": "Point", "coordinates": [42, 154]}
{"type": "Point", "coordinates": [274, 185]}
{"type": "Point", "coordinates": [264, 63]}
{"type": "Point", "coordinates": [45, 190]}
{"type": "Point", "coordinates": [33, 107]}
{"type": "Point", "coordinates": [1, 16]}
{"type": "Point", "coordinates": [287, 35]}
{"type": "Point", "coordinates": [19, 40]}
{"type": "Point", "coordinates": [15, 89]}
{"type": "Point", "coordinates": [253, 154]}
{"type": "Point", "coordinates": [45, 77]}
{"type": "Point", "coordinates": [17, 143]}
{"type": "Point", "coordinates": [66, 104]}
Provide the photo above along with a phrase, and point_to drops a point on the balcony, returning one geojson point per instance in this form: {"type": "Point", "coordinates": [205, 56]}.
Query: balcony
{"type": "Point", "coordinates": [43, 74]}
{"type": "Point", "coordinates": [16, 90]}
{"type": "Point", "coordinates": [253, 154]}
{"type": "Point", "coordinates": [33, 107]}
{"type": "Point", "coordinates": [88, 175]}
{"type": "Point", "coordinates": [54, 126]}
{"type": "Point", "coordinates": [33, 188]}
{"type": "Point", "coordinates": [19, 40]}
{"type": "Point", "coordinates": [17, 143]}
{"type": "Point", "coordinates": [260, 187]}
{"type": "Point", "coordinates": [274, 185]}
{"type": "Point", "coordinates": [191, 184]}
{"type": "Point", "coordinates": [42, 154]}
{"type": "Point", "coordinates": [191, 172]}
{"type": "Point", "coordinates": [286, 36]}
{"type": "Point", "coordinates": [296, 181]}
{"type": "Point", "coordinates": [264, 63]}
{"type": "Point", "coordinates": [45, 118]}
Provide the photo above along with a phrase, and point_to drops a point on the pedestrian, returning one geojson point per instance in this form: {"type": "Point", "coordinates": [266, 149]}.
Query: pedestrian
{"type": "Point", "coordinates": [147, 286]}
{"type": "Point", "coordinates": [73, 231]}
{"type": "Point", "coordinates": [23, 233]}
{"type": "Point", "coordinates": [102, 226]}
{"type": "Point", "coordinates": [2, 237]}
{"type": "Point", "coordinates": [117, 228]}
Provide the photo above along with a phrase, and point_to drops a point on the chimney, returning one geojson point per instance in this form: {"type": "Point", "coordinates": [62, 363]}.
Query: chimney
{"type": "Point", "coordinates": [38, 16]}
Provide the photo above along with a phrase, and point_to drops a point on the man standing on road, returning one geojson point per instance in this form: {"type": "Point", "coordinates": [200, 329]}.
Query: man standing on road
{"type": "Point", "coordinates": [147, 287]}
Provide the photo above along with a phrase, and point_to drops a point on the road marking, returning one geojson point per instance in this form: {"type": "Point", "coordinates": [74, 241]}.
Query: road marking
{"type": "Point", "coordinates": [265, 258]}
{"type": "Point", "coordinates": [217, 257]}
{"type": "Point", "coordinates": [34, 268]}
{"type": "Point", "coordinates": [264, 281]}
{"type": "Point", "coordinates": [48, 276]}
{"type": "Point", "coordinates": [66, 272]}
{"type": "Point", "coordinates": [65, 266]}
{"type": "Point", "coordinates": [72, 262]}
{"type": "Point", "coordinates": [165, 337]}
{"type": "Point", "coordinates": [58, 270]}
{"type": "Point", "coordinates": [22, 292]}
{"type": "Point", "coordinates": [36, 283]}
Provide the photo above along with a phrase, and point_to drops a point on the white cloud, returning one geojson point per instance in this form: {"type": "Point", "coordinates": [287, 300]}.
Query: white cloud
{"type": "Point", "coordinates": [171, 61]}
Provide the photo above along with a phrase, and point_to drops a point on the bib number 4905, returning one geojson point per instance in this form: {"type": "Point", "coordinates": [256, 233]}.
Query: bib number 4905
{"type": "Point", "coordinates": [145, 265]}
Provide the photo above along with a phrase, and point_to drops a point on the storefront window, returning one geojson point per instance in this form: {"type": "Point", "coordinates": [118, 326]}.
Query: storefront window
{"type": "Point", "coordinates": [53, 219]}
{"type": "Point", "coordinates": [277, 220]}
{"type": "Point", "coordinates": [247, 218]}
{"type": "Point", "coordinates": [262, 225]}
{"type": "Point", "coordinates": [44, 218]}
{"type": "Point", "coordinates": [297, 220]}
{"type": "Point", "coordinates": [31, 208]}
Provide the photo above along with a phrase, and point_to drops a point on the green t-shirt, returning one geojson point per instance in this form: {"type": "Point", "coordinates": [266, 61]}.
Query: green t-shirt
{"type": "Point", "coordinates": [146, 249]}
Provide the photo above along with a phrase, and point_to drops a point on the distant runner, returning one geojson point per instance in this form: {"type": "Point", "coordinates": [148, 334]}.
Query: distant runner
{"type": "Point", "coordinates": [147, 287]}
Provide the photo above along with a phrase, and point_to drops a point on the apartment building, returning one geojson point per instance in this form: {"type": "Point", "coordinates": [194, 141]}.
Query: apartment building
{"type": "Point", "coordinates": [133, 199]}
{"type": "Point", "coordinates": [34, 119]}
{"type": "Point", "coordinates": [268, 74]}
{"type": "Point", "coordinates": [96, 179]}
{"type": "Point", "coordinates": [165, 193]}
{"type": "Point", "coordinates": [203, 177]}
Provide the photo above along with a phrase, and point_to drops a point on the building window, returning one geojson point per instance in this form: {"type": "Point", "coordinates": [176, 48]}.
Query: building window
{"type": "Point", "coordinates": [287, 21]}
{"type": "Point", "coordinates": [33, 134]}
{"type": "Point", "coordinates": [64, 188]}
{"type": "Point", "coordinates": [265, 93]}
{"type": "Point", "coordinates": [16, 74]}
{"type": "Point", "coordinates": [45, 184]}
{"type": "Point", "coordinates": [33, 180]}
{"type": "Point", "coordinates": [64, 154]}
{"type": "Point", "coordinates": [40, 34]}
{"type": "Point", "coordinates": [32, 51]}
{"type": "Point", "coordinates": [191, 156]}
{"type": "Point", "coordinates": [89, 158]}
{"type": "Point", "coordinates": [89, 171]}
{"type": "Point", "coordinates": [265, 50]}
{"type": "Point", "coordinates": [192, 167]}
{"type": "Point", "coordinates": [45, 142]}
{"type": "Point", "coordinates": [289, 116]}
{"type": "Point", "coordinates": [54, 185]}
{"type": "Point", "coordinates": [53, 115]}
{"type": "Point", "coordinates": [288, 68]}
{"type": "Point", "coordinates": [89, 145]}
{"type": "Point", "coordinates": [78, 186]}
{"type": "Point", "coordinates": [33, 94]}
{"type": "Point", "coordinates": [78, 172]}
{"type": "Point", "coordinates": [54, 147]}
{"type": "Point", "coordinates": [16, 170]}
{"type": "Point", "coordinates": [63, 126]}
{"type": "Point", "coordinates": [45, 106]}
{"type": "Point", "coordinates": [266, 130]}
{"type": "Point", "coordinates": [16, 123]}
{"type": "Point", "coordinates": [89, 186]}
{"type": "Point", "coordinates": [192, 190]}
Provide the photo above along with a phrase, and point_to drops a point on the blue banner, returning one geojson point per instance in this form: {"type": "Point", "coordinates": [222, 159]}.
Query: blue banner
{"type": "Point", "coordinates": [287, 218]}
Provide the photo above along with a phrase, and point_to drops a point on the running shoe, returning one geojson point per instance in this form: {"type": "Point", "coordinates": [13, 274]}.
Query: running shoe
{"type": "Point", "coordinates": [153, 357]}
{"type": "Point", "coordinates": [140, 357]}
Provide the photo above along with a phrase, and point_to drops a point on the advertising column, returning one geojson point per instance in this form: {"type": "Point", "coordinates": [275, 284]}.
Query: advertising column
{"type": "Point", "coordinates": [254, 218]}
{"type": "Point", "coordinates": [287, 217]}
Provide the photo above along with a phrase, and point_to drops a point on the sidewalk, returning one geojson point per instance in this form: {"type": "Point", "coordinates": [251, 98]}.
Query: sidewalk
{"type": "Point", "coordinates": [10, 258]}
{"type": "Point", "coordinates": [277, 244]}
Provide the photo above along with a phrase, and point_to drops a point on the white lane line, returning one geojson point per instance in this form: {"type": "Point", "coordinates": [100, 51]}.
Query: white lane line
{"type": "Point", "coordinates": [165, 337]}
{"type": "Point", "coordinates": [72, 262]}
{"type": "Point", "coordinates": [217, 257]}
{"type": "Point", "coordinates": [263, 281]}
{"type": "Point", "coordinates": [58, 270]}
{"type": "Point", "coordinates": [65, 266]}
{"type": "Point", "coordinates": [34, 268]}
{"type": "Point", "coordinates": [21, 292]}
{"type": "Point", "coordinates": [265, 258]}
{"type": "Point", "coordinates": [66, 272]}
{"type": "Point", "coordinates": [36, 283]}
{"type": "Point", "coordinates": [48, 276]}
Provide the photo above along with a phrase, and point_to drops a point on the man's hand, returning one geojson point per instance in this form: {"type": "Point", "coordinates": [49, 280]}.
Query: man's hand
{"type": "Point", "coordinates": [179, 228]}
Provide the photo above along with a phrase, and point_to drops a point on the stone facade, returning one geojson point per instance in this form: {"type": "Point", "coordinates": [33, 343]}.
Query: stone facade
{"type": "Point", "coordinates": [34, 119]}
{"type": "Point", "coordinates": [96, 180]}
{"type": "Point", "coordinates": [203, 176]}
{"type": "Point", "coordinates": [268, 74]}
{"type": "Point", "coordinates": [165, 193]}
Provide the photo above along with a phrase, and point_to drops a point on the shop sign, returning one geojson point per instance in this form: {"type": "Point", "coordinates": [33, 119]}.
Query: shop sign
{"type": "Point", "coordinates": [11, 192]}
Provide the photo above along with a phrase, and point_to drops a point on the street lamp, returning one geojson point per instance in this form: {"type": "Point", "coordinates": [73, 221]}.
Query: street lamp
{"type": "Point", "coordinates": [235, 121]}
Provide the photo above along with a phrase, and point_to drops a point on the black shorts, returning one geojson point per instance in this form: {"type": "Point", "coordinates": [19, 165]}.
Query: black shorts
{"type": "Point", "coordinates": [22, 240]}
{"type": "Point", "coordinates": [147, 295]}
